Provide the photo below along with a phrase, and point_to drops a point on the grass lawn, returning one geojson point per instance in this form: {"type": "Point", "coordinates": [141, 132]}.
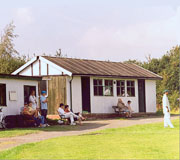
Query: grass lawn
{"type": "Point", "coordinates": [150, 141]}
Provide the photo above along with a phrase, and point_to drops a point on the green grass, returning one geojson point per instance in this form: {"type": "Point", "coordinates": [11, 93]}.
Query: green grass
{"type": "Point", "coordinates": [150, 141]}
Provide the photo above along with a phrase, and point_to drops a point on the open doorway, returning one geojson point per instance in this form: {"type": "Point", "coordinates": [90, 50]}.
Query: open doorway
{"type": "Point", "coordinates": [85, 83]}
{"type": "Point", "coordinates": [27, 92]}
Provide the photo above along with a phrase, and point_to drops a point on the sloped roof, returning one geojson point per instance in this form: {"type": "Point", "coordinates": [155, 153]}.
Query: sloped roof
{"type": "Point", "coordinates": [102, 68]}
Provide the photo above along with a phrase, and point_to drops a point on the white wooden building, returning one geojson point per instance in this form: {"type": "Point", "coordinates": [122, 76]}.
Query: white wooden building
{"type": "Point", "coordinates": [94, 86]}
{"type": "Point", "coordinates": [14, 91]}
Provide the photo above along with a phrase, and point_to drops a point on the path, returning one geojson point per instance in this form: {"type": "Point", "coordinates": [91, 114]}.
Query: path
{"type": "Point", "coordinates": [88, 126]}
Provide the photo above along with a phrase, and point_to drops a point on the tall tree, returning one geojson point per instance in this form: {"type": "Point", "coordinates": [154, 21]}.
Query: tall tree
{"type": "Point", "coordinates": [9, 57]}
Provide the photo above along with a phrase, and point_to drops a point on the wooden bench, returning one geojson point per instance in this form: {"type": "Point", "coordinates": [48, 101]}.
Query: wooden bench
{"type": "Point", "coordinates": [65, 120]}
{"type": "Point", "coordinates": [116, 110]}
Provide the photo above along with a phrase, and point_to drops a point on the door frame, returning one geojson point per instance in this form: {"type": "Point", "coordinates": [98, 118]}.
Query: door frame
{"type": "Point", "coordinates": [144, 91]}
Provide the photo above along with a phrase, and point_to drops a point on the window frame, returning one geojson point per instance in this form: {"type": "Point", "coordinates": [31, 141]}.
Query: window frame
{"type": "Point", "coordinates": [98, 86]}
{"type": "Point", "coordinates": [120, 86]}
{"type": "Point", "coordinates": [130, 87]}
{"type": "Point", "coordinates": [111, 86]}
{"type": "Point", "coordinates": [5, 96]}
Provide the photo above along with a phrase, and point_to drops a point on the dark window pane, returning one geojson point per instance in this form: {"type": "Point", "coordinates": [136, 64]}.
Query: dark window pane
{"type": "Point", "coordinates": [118, 91]}
{"type": "Point", "coordinates": [132, 92]}
{"type": "Point", "coordinates": [100, 82]}
{"type": "Point", "coordinates": [122, 83]}
{"type": "Point", "coordinates": [106, 82]}
{"type": "Point", "coordinates": [100, 90]}
{"type": "Point", "coordinates": [111, 82]}
{"type": "Point", "coordinates": [118, 83]}
{"type": "Point", "coordinates": [2, 94]}
{"type": "Point", "coordinates": [95, 91]}
{"type": "Point", "coordinates": [128, 83]}
{"type": "Point", "coordinates": [132, 83]}
{"type": "Point", "coordinates": [95, 82]}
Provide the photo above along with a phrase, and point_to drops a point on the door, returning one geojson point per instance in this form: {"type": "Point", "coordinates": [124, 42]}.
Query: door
{"type": "Point", "coordinates": [85, 85]}
{"type": "Point", "coordinates": [27, 92]}
{"type": "Point", "coordinates": [141, 95]}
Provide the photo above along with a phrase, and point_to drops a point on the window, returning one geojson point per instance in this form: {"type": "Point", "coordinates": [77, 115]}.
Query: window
{"type": "Point", "coordinates": [2, 94]}
{"type": "Point", "coordinates": [98, 87]}
{"type": "Point", "coordinates": [120, 88]}
{"type": "Point", "coordinates": [108, 88]}
{"type": "Point", "coordinates": [130, 89]}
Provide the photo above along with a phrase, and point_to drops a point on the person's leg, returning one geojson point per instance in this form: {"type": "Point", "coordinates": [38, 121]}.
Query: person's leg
{"type": "Point", "coordinates": [169, 122]}
{"type": "Point", "coordinates": [165, 121]}
{"type": "Point", "coordinates": [42, 119]}
{"type": "Point", "coordinates": [69, 115]}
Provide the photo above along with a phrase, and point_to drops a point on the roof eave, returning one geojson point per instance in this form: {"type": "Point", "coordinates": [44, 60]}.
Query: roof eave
{"type": "Point", "coordinates": [118, 76]}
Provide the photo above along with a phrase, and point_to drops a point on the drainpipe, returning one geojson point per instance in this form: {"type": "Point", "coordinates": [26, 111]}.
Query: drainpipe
{"type": "Point", "coordinates": [70, 82]}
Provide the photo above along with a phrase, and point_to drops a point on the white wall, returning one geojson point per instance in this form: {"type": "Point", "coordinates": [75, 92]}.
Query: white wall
{"type": "Point", "coordinates": [53, 69]}
{"type": "Point", "coordinates": [150, 90]}
{"type": "Point", "coordinates": [13, 107]}
{"type": "Point", "coordinates": [103, 104]}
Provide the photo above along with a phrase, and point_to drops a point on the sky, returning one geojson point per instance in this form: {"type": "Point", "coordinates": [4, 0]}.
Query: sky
{"type": "Point", "coordinates": [115, 30]}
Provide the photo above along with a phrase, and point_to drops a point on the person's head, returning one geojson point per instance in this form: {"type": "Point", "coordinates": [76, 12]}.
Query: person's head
{"type": "Point", "coordinates": [61, 105]}
{"type": "Point", "coordinates": [38, 109]}
{"type": "Point", "coordinates": [30, 104]}
{"type": "Point", "coordinates": [66, 107]}
{"type": "Point", "coordinates": [33, 92]}
{"type": "Point", "coordinates": [25, 104]}
{"type": "Point", "coordinates": [129, 102]}
{"type": "Point", "coordinates": [43, 93]}
{"type": "Point", "coordinates": [119, 100]}
{"type": "Point", "coordinates": [166, 91]}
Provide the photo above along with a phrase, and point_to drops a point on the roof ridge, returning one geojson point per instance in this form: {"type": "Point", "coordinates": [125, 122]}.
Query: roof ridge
{"type": "Point", "coordinates": [84, 59]}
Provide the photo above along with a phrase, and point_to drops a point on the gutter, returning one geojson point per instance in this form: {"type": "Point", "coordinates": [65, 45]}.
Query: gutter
{"type": "Point", "coordinates": [70, 82]}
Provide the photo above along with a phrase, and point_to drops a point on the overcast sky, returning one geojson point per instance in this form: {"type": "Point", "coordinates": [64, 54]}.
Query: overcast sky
{"type": "Point", "coordinates": [114, 30]}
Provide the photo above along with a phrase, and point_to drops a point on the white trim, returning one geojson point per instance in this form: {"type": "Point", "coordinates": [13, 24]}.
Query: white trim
{"type": "Point", "coordinates": [55, 66]}
{"type": "Point", "coordinates": [24, 66]}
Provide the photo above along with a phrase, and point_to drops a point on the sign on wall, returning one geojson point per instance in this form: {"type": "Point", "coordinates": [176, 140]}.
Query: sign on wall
{"type": "Point", "coordinates": [12, 95]}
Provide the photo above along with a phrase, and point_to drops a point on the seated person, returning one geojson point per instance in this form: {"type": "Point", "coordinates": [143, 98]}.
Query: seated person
{"type": "Point", "coordinates": [129, 108]}
{"type": "Point", "coordinates": [40, 117]}
{"type": "Point", "coordinates": [70, 115]}
{"type": "Point", "coordinates": [29, 111]}
{"type": "Point", "coordinates": [66, 109]}
{"type": "Point", "coordinates": [122, 107]}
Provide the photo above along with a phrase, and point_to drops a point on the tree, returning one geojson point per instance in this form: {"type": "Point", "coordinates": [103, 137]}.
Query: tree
{"type": "Point", "coordinates": [9, 57]}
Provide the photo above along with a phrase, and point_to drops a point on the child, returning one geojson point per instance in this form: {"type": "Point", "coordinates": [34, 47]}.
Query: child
{"type": "Point", "coordinates": [129, 108]}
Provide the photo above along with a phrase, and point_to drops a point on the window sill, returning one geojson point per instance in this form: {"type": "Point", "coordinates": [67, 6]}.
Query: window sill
{"type": "Point", "coordinates": [3, 106]}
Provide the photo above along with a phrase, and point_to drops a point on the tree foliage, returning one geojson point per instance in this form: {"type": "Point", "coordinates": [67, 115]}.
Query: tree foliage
{"type": "Point", "coordinates": [168, 66]}
{"type": "Point", "coordinates": [9, 57]}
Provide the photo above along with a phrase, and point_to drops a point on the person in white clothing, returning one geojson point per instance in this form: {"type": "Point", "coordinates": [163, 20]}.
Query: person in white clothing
{"type": "Point", "coordinates": [166, 110]}
{"type": "Point", "coordinates": [33, 99]}
{"type": "Point", "coordinates": [70, 115]}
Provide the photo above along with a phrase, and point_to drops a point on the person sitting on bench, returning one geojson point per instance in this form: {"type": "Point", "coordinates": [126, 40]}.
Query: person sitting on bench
{"type": "Point", "coordinates": [70, 115]}
{"type": "Point", "coordinates": [29, 111]}
{"type": "Point", "coordinates": [66, 109]}
{"type": "Point", "coordinates": [122, 107]}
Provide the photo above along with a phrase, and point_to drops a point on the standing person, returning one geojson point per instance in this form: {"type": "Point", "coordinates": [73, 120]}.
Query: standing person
{"type": "Point", "coordinates": [33, 99]}
{"type": "Point", "coordinates": [44, 107]}
{"type": "Point", "coordinates": [166, 110]}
